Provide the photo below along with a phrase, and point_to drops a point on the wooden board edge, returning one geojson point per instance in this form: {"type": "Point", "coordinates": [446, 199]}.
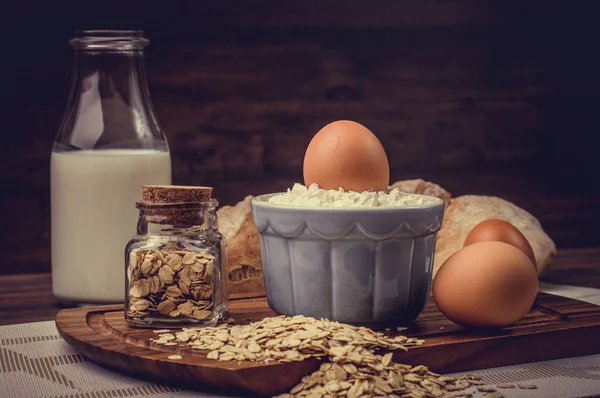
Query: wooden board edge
{"type": "Point", "coordinates": [224, 376]}
{"type": "Point", "coordinates": [465, 356]}
{"type": "Point", "coordinates": [453, 356]}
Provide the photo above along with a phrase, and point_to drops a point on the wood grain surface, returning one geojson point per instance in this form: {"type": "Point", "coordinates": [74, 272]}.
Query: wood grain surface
{"type": "Point", "coordinates": [101, 334]}
{"type": "Point", "coordinates": [482, 97]}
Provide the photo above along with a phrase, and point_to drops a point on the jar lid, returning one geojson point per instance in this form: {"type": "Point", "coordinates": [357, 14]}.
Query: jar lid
{"type": "Point", "coordinates": [163, 194]}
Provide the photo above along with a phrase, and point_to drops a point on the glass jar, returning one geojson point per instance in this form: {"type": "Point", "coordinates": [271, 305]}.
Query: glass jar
{"type": "Point", "coordinates": [109, 143]}
{"type": "Point", "coordinates": [176, 266]}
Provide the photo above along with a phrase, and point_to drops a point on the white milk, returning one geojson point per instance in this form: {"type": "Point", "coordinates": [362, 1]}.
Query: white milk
{"type": "Point", "coordinates": [93, 195]}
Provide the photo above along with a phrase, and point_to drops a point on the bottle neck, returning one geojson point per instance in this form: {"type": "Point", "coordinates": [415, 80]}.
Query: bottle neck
{"type": "Point", "coordinates": [114, 74]}
{"type": "Point", "coordinates": [117, 78]}
{"type": "Point", "coordinates": [109, 106]}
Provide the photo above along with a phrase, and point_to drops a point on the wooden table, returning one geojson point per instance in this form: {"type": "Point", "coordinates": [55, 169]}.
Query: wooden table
{"type": "Point", "coordinates": [28, 297]}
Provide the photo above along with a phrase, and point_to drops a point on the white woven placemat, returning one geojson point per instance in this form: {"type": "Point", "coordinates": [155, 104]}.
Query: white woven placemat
{"type": "Point", "coordinates": [36, 362]}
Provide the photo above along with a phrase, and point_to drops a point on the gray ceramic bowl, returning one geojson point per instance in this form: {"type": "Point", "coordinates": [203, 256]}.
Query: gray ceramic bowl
{"type": "Point", "coordinates": [353, 265]}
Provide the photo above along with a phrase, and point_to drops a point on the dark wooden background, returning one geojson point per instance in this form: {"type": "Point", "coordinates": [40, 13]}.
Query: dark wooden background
{"type": "Point", "coordinates": [482, 97]}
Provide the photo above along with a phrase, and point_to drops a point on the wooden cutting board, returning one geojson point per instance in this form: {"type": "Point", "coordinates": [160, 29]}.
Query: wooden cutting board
{"type": "Point", "coordinates": [556, 327]}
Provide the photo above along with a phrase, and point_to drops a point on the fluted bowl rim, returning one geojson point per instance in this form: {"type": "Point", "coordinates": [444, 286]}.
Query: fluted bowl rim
{"type": "Point", "coordinates": [262, 201]}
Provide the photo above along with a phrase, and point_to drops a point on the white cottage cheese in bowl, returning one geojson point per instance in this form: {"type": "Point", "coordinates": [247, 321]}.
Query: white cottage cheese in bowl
{"type": "Point", "coordinates": [360, 258]}
{"type": "Point", "coordinates": [313, 196]}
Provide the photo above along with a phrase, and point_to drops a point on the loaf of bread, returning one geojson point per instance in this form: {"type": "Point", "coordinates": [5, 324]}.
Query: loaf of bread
{"type": "Point", "coordinates": [465, 212]}
{"type": "Point", "coordinates": [243, 248]}
{"type": "Point", "coordinates": [462, 214]}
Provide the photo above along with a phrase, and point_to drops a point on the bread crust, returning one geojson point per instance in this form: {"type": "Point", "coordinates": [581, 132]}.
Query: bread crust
{"type": "Point", "coordinates": [462, 214]}
{"type": "Point", "coordinates": [465, 212]}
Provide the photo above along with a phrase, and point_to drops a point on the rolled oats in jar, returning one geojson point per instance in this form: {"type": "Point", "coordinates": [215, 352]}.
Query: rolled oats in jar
{"type": "Point", "coordinates": [176, 264]}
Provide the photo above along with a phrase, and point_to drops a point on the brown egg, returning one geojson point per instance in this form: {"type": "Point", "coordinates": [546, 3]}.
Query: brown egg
{"type": "Point", "coordinates": [346, 154]}
{"type": "Point", "coordinates": [501, 231]}
{"type": "Point", "coordinates": [486, 285]}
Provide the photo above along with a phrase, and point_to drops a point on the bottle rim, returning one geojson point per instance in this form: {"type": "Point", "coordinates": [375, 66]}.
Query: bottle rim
{"type": "Point", "coordinates": [108, 40]}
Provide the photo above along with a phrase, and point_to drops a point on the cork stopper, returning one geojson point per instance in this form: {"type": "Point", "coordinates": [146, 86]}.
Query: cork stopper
{"type": "Point", "coordinates": [184, 196]}
{"type": "Point", "coordinates": [160, 194]}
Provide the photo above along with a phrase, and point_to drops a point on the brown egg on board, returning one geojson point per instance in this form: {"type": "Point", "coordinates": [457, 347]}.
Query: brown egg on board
{"type": "Point", "coordinates": [500, 231]}
{"type": "Point", "coordinates": [346, 154]}
{"type": "Point", "coordinates": [486, 285]}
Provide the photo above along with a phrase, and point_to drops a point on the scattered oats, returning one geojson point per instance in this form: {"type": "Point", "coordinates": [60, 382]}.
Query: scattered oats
{"type": "Point", "coordinates": [324, 382]}
{"type": "Point", "coordinates": [182, 336]}
{"type": "Point", "coordinates": [178, 283]}
{"type": "Point", "coordinates": [254, 347]}
{"type": "Point", "coordinates": [527, 386]}
{"type": "Point", "coordinates": [351, 369]}
{"type": "Point", "coordinates": [167, 337]}
{"type": "Point", "coordinates": [228, 356]}
{"type": "Point", "coordinates": [442, 328]}
{"type": "Point", "coordinates": [161, 331]}
{"type": "Point", "coordinates": [387, 359]}
{"type": "Point", "coordinates": [495, 394]}
{"type": "Point", "coordinates": [505, 385]}
{"type": "Point", "coordinates": [222, 336]}
{"type": "Point", "coordinates": [216, 345]}
{"type": "Point", "coordinates": [175, 357]}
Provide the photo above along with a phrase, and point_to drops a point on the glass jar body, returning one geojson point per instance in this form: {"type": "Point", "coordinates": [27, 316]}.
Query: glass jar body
{"type": "Point", "coordinates": [109, 143]}
{"type": "Point", "coordinates": [175, 276]}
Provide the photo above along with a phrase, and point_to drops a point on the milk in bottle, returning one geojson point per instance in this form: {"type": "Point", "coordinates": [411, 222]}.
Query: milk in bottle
{"type": "Point", "coordinates": [108, 145]}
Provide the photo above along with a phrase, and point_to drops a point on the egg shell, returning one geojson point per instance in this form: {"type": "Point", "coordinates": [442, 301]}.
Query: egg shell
{"type": "Point", "coordinates": [346, 154]}
{"type": "Point", "coordinates": [501, 231]}
{"type": "Point", "coordinates": [486, 285]}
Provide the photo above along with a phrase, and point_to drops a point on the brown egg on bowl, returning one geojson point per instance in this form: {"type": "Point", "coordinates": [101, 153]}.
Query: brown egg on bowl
{"type": "Point", "coordinates": [345, 154]}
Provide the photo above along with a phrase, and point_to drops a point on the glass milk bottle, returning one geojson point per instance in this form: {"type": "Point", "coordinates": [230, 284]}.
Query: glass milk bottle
{"type": "Point", "coordinates": [108, 145]}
